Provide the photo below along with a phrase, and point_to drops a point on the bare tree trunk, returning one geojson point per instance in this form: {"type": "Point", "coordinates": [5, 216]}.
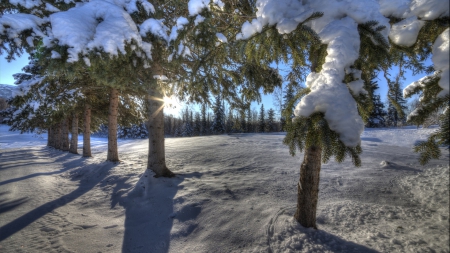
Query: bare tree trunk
{"type": "Point", "coordinates": [50, 137]}
{"type": "Point", "coordinates": [87, 131]}
{"type": "Point", "coordinates": [58, 136]}
{"type": "Point", "coordinates": [113, 154]}
{"type": "Point", "coordinates": [156, 149]}
{"type": "Point", "coordinates": [308, 187]}
{"type": "Point", "coordinates": [65, 135]}
{"type": "Point", "coordinates": [74, 140]}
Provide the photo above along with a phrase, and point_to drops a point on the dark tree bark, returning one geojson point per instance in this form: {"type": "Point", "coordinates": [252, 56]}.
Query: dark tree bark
{"type": "Point", "coordinates": [65, 135]}
{"type": "Point", "coordinates": [74, 140]}
{"type": "Point", "coordinates": [113, 153]}
{"type": "Point", "coordinates": [87, 131]}
{"type": "Point", "coordinates": [58, 136]}
{"type": "Point", "coordinates": [308, 187]}
{"type": "Point", "coordinates": [50, 136]}
{"type": "Point", "coordinates": [156, 149]}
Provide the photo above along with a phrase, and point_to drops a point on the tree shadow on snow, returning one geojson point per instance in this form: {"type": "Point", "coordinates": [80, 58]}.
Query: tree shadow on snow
{"type": "Point", "coordinates": [9, 205]}
{"type": "Point", "coordinates": [88, 176]}
{"type": "Point", "coordinates": [19, 159]}
{"type": "Point", "coordinates": [149, 213]}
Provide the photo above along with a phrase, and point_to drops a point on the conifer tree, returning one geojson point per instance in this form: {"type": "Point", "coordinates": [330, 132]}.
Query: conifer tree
{"type": "Point", "coordinates": [271, 120]}
{"type": "Point", "coordinates": [262, 120]}
{"type": "Point", "coordinates": [378, 114]}
{"type": "Point", "coordinates": [197, 124]}
{"type": "Point", "coordinates": [218, 124]}
{"type": "Point", "coordinates": [396, 106]}
{"type": "Point", "coordinates": [204, 125]}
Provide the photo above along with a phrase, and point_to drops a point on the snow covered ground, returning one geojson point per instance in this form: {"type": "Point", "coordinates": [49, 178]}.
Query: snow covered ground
{"type": "Point", "coordinates": [232, 193]}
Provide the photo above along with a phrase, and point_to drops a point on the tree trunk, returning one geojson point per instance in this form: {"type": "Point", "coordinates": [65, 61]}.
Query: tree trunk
{"type": "Point", "coordinates": [113, 154]}
{"type": "Point", "coordinates": [74, 140]}
{"type": "Point", "coordinates": [65, 135]}
{"type": "Point", "coordinates": [50, 136]}
{"type": "Point", "coordinates": [87, 131]}
{"type": "Point", "coordinates": [308, 187]}
{"type": "Point", "coordinates": [58, 136]}
{"type": "Point", "coordinates": [156, 149]}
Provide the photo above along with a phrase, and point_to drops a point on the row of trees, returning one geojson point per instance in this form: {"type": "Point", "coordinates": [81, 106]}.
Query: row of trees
{"type": "Point", "coordinates": [225, 49]}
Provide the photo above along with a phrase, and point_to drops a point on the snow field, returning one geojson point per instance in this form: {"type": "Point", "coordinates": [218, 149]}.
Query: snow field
{"type": "Point", "coordinates": [232, 193]}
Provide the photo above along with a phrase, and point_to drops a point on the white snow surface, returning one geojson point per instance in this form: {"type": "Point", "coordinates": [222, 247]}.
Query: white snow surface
{"type": "Point", "coordinates": [232, 193]}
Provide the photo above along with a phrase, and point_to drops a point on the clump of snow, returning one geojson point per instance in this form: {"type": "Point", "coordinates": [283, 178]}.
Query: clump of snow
{"type": "Point", "coordinates": [28, 4]}
{"type": "Point", "coordinates": [132, 5]}
{"type": "Point", "coordinates": [429, 9]}
{"type": "Point", "coordinates": [397, 8]}
{"type": "Point", "coordinates": [55, 55]}
{"type": "Point", "coordinates": [181, 22]}
{"type": "Point", "coordinates": [408, 90]}
{"type": "Point", "coordinates": [221, 38]}
{"type": "Point", "coordinates": [25, 86]}
{"type": "Point", "coordinates": [341, 114]}
{"type": "Point", "coordinates": [405, 32]}
{"type": "Point", "coordinates": [441, 60]}
{"type": "Point", "coordinates": [161, 77]}
{"type": "Point", "coordinates": [51, 8]}
{"type": "Point", "coordinates": [155, 27]}
{"type": "Point", "coordinates": [199, 19]}
{"type": "Point", "coordinates": [424, 10]}
{"type": "Point", "coordinates": [13, 24]}
{"type": "Point", "coordinates": [94, 25]}
{"type": "Point", "coordinates": [196, 6]}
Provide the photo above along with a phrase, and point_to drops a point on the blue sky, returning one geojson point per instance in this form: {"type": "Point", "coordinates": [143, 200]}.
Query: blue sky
{"type": "Point", "coordinates": [7, 69]}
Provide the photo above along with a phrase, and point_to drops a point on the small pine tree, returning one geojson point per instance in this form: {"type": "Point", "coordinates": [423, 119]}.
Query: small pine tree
{"type": "Point", "coordinates": [230, 121]}
{"type": "Point", "coordinates": [218, 126]}
{"type": "Point", "coordinates": [243, 122]}
{"type": "Point", "coordinates": [396, 107]}
{"type": "Point", "coordinates": [197, 124]}
{"type": "Point", "coordinates": [204, 125]}
{"type": "Point", "coordinates": [378, 114]}
{"type": "Point", "coordinates": [271, 120]}
{"type": "Point", "coordinates": [262, 120]}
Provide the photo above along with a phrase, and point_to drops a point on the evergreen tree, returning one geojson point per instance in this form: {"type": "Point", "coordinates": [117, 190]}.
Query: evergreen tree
{"type": "Point", "coordinates": [271, 120]}
{"type": "Point", "coordinates": [204, 125]}
{"type": "Point", "coordinates": [197, 124]}
{"type": "Point", "coordinates": [396, 108]}
{"type": "Point", "coordinates": [262, 120]}
{"type": "Point", "coordinates": [187, 129]}
{"type": "Point", "coordinates": [378, 114]}
{"type": "Point", "coordinates": [230, 121]}
{"type": "Point", "coordinates": [243, 122]}
{"type": "Point", "coordinates": [218, 124]}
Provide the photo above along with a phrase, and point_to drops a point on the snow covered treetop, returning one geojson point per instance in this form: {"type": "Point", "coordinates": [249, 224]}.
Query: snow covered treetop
{"type": "Point", "coordinates": [338, 28]}
{"type": "Point", "coordinates": [96, 26]}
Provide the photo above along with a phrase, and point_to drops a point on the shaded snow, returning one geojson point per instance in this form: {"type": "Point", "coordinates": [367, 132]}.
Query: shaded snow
{"type": "Point", "coordinates": [232, 193]}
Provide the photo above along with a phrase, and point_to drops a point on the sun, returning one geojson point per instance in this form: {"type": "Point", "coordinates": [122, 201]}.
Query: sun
{"type": "Point", "coordinates": [171, 105]}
